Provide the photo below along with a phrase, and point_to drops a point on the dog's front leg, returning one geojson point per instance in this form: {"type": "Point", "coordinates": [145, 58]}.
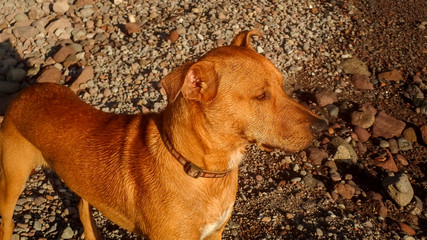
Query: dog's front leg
{"type": "Point", "coordinates": [90, 230]}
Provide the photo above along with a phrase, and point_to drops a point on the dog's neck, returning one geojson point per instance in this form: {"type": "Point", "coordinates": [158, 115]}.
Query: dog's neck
{"type": "Point", "coordinates": [199, 147]}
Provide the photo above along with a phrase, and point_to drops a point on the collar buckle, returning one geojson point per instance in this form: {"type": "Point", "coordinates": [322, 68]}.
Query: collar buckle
{"type": "Point", "coordinates": [192, 170]}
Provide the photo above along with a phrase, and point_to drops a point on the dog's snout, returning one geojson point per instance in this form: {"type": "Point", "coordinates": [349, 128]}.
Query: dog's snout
{"type": "Point", "coordinates": [318, 126]}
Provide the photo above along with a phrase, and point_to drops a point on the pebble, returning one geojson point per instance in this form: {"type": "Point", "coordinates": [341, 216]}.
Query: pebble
{"type": "Point", "coordinates": [394, 148]}
{"type": "Point", "coordinates": [325, 98]}
{"type": "Point", "coordinates": [407, 229]}
{"type": "Point", "coordinates": [259, 178]}
{"type": "Point", "coordinates": [389, 164]}
{"type": "Point", "coordinates": [311, 182]}
{"type": "Point", "coordinates": [84, 76]}
{"type": "Point", "coordinates": [410, 135]}
{"type": "Point", "coordinates": [50, 74]}
{"type": "Point", "coordinates": [60, 6]}
{"type": "Point", "coordinates": [387, 126]}
{"type": "Point", "coordinates": [333, 110]}
{"type": "Point", "coordinates": [362, 134]}
{"type": "Point", "coordinates": [25, 32]}
{"type": "Point", "coordinates": [316, 156]}
{"type": "Point", "coordinates": [63, 53]}
{"type": "Point", "coordinates": [399, 188]}
{"type": "Point", "coordinates": [296, 179]}
{"type": "Point", "coordinates": [355, 66]}
{"type": "Point", "coordinates": [319, 232]}
{"type": "Point", "coordinates": [68, 233]}
{"type": "Point", "coordinates": [364, 119]}
{"type": "Point", "coordinates": [344, 151]}
{"type": "Point", "coordinates": [404, 144]}
{"type": "Point", "coordinates": [361, 81]}
{"type": "Point", "coordinates": [393, 75]}
{"type": "Point", "coordinates": [423, 130]}
{"type": "Point", "coordinates": [266, 219]}
{"type": "Point", "coordinates": [173, 36]}
{"type": "Point", "coordinates": [384, 144]}
{"type": "Point", "coordinates": [132, 28]}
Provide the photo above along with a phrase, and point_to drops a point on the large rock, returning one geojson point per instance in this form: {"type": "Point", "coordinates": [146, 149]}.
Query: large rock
{"type": "Point", "coordinates": [50, 74]}
{"type": "Point", "coordinates": [25, 32]}
{"type": "Point", "coordinates": [345, 152]}
{"type": "Point", "coordinates": [63, 53]}
{"type": "Point", "coordinates": [86, 75]}
{"type": "Point", "coordinates": [387, 126]}
{"type": "Point", "coordinates": [355, 66]}
{"type": "Point", "coordinates": [399, 188]}
{"type": "Point", "coordinates": [393, 75]}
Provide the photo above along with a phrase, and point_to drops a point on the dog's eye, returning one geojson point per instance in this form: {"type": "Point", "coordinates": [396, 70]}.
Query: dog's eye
{"type": "Point", "coordinates": [262, 96]}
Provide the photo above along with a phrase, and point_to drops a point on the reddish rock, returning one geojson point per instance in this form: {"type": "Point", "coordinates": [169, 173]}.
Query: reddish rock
{"type": "Point", "coordinates": [132, 28]}
{"type": "Point", "coordinates": [378, 204]}
{"type": "Point", "coordinates": [402, 160]}
{"type": "Point", "coordinates": [393, 75]}
{"type": "Point", "coordinates": [86, 75]}
{"type": "Point", "coordinates": [388, 165]}
{"type": "Point", "coordinates": [81, 3]}
{"type": "Point", "coordinates": [345, 190]}
{"type": "Point", "coordinates": [173, 36]}
{"type": "Point", "coordinates": [331, 165]}
{"type": "Point", "coordinates": [362, 134]}
{"type": "Point", "coordinates": [361, 81]}
{"type": "Point", "coordinates": [366, 107]}
{"type": "Point", "coordinates": [361, 148]}
{"type": "Point", "coordinates": [316, 156]}
{"type": "Point", "coordinates": [407, 229]}
{"type": "Point", "coordinates": [387, 126]}
{"type": "Point", "coordinates": [325, 98]}
{"type": "Point", "coordinates": [364, 119]}
{"type": "Point", "coordinates": [63, 53]}
{"type": "Point", "coordinates": [50, 74]}
{"type": "Point", "coordinates": [423, 130]}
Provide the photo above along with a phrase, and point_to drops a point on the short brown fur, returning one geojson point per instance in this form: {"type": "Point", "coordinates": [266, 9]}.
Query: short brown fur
{"type": "Point", "coordinates": [228, 99]}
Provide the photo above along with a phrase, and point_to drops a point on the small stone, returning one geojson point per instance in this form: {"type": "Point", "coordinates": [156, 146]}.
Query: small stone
{"type": "Point", "coordinates": [402, 160]}
{"type": "Point", "coordinates": [311, 182]}
{"type": "Point", "coordinates": [364, 119]}
{"type": "Point", "coordinates": [362, 133]}
{"type": "Point", "coordinates": [378, 204]}
{"type": "Point", "coordinates": [173, 36]}
{"type": "Point", "coordinates": [333, 110]}
{"type": "Point", "coordinates": [355, 66]}
{"type": "Point", "coordinates": [345, 190]}
{"type": "Point", "coordinates": [384, 144]}
{"type": "Point", "coordinates": [410, 135]}
{"type": "Point", "coordinates": [345, 151]}
{"type": "Point", "coordinates": [20, 17]}
{"type": "Point", "coordinates": [335, 176]}
{"type": "Point", "coordinates": [325, 98]}
{"type": "Point", "coordinates": [295, 179]}
{"type": "Point", "coordinates": [63, 53]}
{"type": "Point", "coordinates": [319, 232]}
{"type": "Point", "coordinates": [50, 74]}
{"type": "Point", "coordinates": [86, 12]}
{"type": "Point", "coordinates": [316, 156]}
{"type": "Point", "coordinates": [16, 75]}
{"type": "Point", "coordinates": [399, 188]}
{"type": "Point", "coordinates": [407, 229]}
{"type": "Point", "coordinates": [331, 165]}
{"type": "Point", "coordinates": [60, 23]}
{"type": "Point", "coordinates": [82, 3]}
{"type": "Point", "coordinates": [25, 32]}
{"type": "Point", "coordinates": [387, 126]}
{"type": "Point", "coordinates": [388, 165]}
{"type": "Point", "coordinates": [68, 233]}
{"type": "Point", "coordinates": [393, 75]}
{"type": "Point", "coordinates": [86, 75]}
{"type": "Point", "coordinates": [259, 178]}
{"type": "Point", "coordinates": [362, 82]}
{"type": "Point", "coordinates": [132, 28]}
{"type": "Point", "coordinates": [100, 37]}
{"type": "Point", "coordinates": [394, 148]}
{"type": "Point", "coordinates": [266, 219]}
{"type": "Point", "coordinates": [60, 6]}
{"type": "Point", "coordinates": [404, 144]}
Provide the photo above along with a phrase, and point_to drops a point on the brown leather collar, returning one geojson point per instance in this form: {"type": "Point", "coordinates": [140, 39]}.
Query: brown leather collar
{"type": "Point", "coordinates": [190, 168]}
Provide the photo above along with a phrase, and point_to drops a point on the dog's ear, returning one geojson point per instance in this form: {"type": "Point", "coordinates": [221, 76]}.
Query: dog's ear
{"type": "Point", "coordinates": [243, 39]}
{"type": "Point", "coordinates": [200, 82]}
{"type": "Point", "coordinates": [173, 82]}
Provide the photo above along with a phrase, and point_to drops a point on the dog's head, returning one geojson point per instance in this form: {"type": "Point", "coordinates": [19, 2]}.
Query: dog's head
{"type": "Point", "coordinates": [240, 96]}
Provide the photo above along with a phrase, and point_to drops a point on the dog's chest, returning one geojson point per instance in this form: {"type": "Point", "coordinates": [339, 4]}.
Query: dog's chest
{"type": "Point", "coordinates": [210, 228]}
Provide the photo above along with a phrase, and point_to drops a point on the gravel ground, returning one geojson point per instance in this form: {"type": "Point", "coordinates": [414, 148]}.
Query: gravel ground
{"type": "Point", "coordinates": [361, 64]}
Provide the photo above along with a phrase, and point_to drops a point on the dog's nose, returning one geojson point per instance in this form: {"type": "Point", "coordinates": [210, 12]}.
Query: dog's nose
{"type": "Point", "coordinates": [318, 126]}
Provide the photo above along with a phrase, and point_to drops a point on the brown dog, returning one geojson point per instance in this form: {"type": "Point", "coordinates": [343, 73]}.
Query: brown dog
{"type": "Point", "coordinates": [130, 167]}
